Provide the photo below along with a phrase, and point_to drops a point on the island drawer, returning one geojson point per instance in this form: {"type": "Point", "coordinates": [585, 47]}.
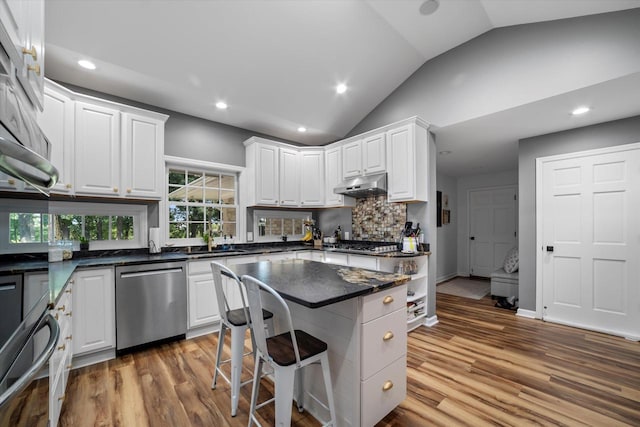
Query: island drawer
{"type": "Point", "coordinates": [383, 341]}
{"type": "Point", "coordinates": [383, 392]}
{"type": "Point", "coordinates": [384, 302]}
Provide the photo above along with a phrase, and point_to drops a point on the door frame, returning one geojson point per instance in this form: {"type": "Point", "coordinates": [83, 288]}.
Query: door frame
{"type": "Point", "coordinates": [540, 162]}
{"type": "Point", "coordinates": [496, 187]}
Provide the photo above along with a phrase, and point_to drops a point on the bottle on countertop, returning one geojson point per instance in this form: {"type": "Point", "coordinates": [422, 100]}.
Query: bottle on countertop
{"type": "Point", "coordinates": [338, 234]}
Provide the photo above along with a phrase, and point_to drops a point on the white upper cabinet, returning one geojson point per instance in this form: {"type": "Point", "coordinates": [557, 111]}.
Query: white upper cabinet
{"type": "Point", "coordinates": [407, 158]}
{"type": "Point", "coordinates": [58, 125]}
{"type": "Point", "coordinates": [289, 177]}
{"type": "Point", "coordinates": [265, 184]}
{"type": "Point", "coordinates": [364, 156]}
{"type": "Point", "coordinates": [102, 148]}
{"type": "Point", "coordinates": [312, 178]}
{"type": "Point", "coordinates": [142, 156]}
{"type": "Point", "coordinates": [97, 150]}
{"type": "Point", "coordinates": [22, 38]}
{"type": "Point", "coordinates": [333, 177]}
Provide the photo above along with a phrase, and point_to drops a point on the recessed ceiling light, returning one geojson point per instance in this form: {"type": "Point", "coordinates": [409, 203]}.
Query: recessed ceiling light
{"type": "Point", "coordinates": [444, 153]}
{"type": "Point", "coordinates": [341, 88]}
{"type": "Point", "coordinates": [429, 6]}
{"type": "Point", "coordinates": [580, 110]}
{"type": "Point", "coordinates": [302, 129]}
{"type": "Point", "coordinates": [221, 105]}
{"type": "Point", "coordinates": [84, 63]}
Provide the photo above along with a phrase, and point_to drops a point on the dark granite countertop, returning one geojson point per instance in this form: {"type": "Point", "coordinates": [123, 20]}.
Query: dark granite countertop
{"type": "Point", "coordinates": [316, 284]}
{"type": "Point", "coordinates": [60, 272]}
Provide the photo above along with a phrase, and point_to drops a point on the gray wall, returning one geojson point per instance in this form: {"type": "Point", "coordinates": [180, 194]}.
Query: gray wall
{"type": "Point", "coordinates": [447, 235]}
{"type": "Point", "coordinates": [625, 131]}
{"type": "Point", "coordinates": [511, 66]}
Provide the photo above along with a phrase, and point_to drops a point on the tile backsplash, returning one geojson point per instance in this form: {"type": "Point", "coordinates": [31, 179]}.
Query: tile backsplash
{"type": "Point", "coordinates": [374, 218]}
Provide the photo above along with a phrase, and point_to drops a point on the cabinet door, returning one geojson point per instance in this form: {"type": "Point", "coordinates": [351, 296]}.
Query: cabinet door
{"type": "Point", "coordinates": [267, 188]}
{"type": "Point", "coordinates": [352, 159]}
{"type": "Point", "coordinates": [333, 176]}
{"type": "Point", "coordinates": [289, 177]}
{"type": "Point", "coordinates": [400, 153]}
{"type": "Point", "coordinates": [97, 150]}
{"type": "Point", "coordinates": [203, 303]}
{"type": "Point", "coordinates": [23, 24]}
{"type": "Point", "coordinates": [231, 288]}
{"type": "Point", "coordinates": [312, 178]}
{"type": "Point", "coordinates": [94, 323]}
{"type": "Point", "coordinates": [57, 122]}
{"type": "Point", "coordinates": [142, 156]}
{"type": "Point", "coordinates": [373, 154]}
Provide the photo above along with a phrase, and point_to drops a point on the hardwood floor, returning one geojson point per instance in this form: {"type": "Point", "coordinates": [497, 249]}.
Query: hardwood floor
{"type": "Point", "coordinates": [480, 365]}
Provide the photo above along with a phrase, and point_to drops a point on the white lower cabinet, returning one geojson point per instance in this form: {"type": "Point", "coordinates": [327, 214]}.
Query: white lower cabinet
{"type": "Point", "coordinates": [94, 325]}
{"type": "Point", "coordinates": [383, 361]}
{"type": "Point", "coordinates": [60, 361]}
{"type": "Point", "coordinates": [203, 305]}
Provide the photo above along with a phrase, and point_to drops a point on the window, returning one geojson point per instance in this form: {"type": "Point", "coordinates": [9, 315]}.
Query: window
{"type": "Point", "coordinates": [104, 225]}
{"type": "Point", "coordinates": [27, 227]}
{"type": "Point", "coordinates": [24, 226]}
{"type": "Point", "coordinates": [272, 225]}
{"type": "Point", "coordinates": [201, 203]}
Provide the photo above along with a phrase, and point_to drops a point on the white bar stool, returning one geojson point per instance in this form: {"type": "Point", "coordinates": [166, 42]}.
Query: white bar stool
{"type": "Point", "coordinates": [238, 320]}
{"type": "Point", "coordinates": [286, 353]}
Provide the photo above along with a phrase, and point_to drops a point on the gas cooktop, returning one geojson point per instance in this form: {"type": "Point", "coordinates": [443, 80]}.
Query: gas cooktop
{"type": "Point", "coordinates": [368, 247]}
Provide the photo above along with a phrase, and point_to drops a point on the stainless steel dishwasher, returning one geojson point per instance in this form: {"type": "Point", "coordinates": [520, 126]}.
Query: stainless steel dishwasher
{"type": "Point", "coordinates": [151, 303]}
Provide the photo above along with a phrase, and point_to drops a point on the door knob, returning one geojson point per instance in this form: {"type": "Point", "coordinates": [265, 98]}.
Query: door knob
{"type": "Point", "coordinates": [472, 238]}
{"type": "Point", "coordinates": [549, 248]}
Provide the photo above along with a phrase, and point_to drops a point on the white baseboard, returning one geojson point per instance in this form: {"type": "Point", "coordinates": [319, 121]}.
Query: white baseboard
{"type": "Point", "coordinates": [203, 330]}
{"type": "Point", "coordinates": [431, 321]}
{"type": "Point", "coordinates": [529, 314]}
{"type": "Point", "coordinates": [93, 358]}
{"type": "Point", "coordinates": [446, 277]}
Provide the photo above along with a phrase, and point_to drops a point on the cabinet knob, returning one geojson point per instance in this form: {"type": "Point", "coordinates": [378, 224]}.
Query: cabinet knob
{"type": "Point", "coordinates": [35, 68]}
{"type": "Point", "coordinates": [11, 181]}
{"type": "Point", "coordinates": [32, 52]}
{"type": "Point", "coordinates": [70, 337]}
{"type": "Point", "coordinates": [56, 316]}
{"type": "Point", "coordinates": [62, 347]}
{"type": "Point", "coordinates": [115, 189]}
{"type": "Point", "coordinates": [61, 398]}
{"type": "Point", "coordinates": [69, 366]}
{"type": "Point", "coordinates": [68, 291]}
{"type": "Point", "coordinates": [129, 190]}
{"type": "Point", "coordinates": [387, 336]}
{"type": "Point", "coordinates": [387, 300]}
{"type": "Point", "coordinates": [69, 314]}
{"type": "Point", "coordinates": [388, 385]}
{"type": "Point", "coordinates": [68, 186]}
{"type": "Point", "coordinates": [61, 308]}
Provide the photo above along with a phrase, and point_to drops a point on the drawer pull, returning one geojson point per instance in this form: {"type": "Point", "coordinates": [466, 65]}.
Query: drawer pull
{"type": "Point", "coordinates": [62, 347]}
{"type": "Point", "coordinates": [32, 52]}
{"type": "Point", "coordinates": [68, 291]}
{"type": "Point", "coordinates": [61, 308]}
{"type": "Point", "coordinates": [69, 314]}
{"type": "Point", "coordinates": [387, 336]}
{"type": "Point", "coordinates": [34, 68]}
{"type": "Point", "coordinates": [70, 337]}
{"type": "Point", "coordinates": [387, 300]}
{"type": "Point", "coordinates": [69, 366]}
{"type": "Point", "coordinates": [56, 316]}
{"type": "Point", "coordinates": [61, 398]}
{"type": "Point", "coordinates": [388, 385]}
{"type": "Point", "coordinates": [68, 186]}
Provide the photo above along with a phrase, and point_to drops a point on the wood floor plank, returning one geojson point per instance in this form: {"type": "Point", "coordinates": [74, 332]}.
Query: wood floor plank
{"type": "Point", "coordinates": [480, 365]}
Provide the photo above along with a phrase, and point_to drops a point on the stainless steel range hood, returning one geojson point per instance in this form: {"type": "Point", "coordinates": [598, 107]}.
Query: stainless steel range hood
{"type": "Point", "coordinates": [363, 186]}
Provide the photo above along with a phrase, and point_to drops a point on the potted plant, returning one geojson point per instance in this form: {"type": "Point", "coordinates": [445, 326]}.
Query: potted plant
{"type": "Point", "coordinates": [84, 244]}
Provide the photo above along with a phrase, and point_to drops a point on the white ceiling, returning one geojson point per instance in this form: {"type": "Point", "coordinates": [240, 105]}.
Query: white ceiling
{"type": "Point", "coordinates": [276, 63]}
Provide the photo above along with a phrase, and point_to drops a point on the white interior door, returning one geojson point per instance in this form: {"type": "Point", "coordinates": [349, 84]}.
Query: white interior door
{"type": "Point", "coordinates": [492, 228]}
{"type": "Point", "coordinates": [589, 240]}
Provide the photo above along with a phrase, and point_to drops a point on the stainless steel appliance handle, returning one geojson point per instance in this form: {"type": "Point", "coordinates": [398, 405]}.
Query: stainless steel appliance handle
{"type": "Point", "coordinates": [13, 152]}
{"type": "Point", "coordinates": [43, 358]}
{"type": "Point", "coordinates": [151, 272]}
{"type": "Point", "coordinates": [7, 287]}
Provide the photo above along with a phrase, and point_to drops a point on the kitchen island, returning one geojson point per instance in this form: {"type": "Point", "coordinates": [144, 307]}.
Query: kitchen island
{"type": "Point", "coordinates": [361, 315]}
